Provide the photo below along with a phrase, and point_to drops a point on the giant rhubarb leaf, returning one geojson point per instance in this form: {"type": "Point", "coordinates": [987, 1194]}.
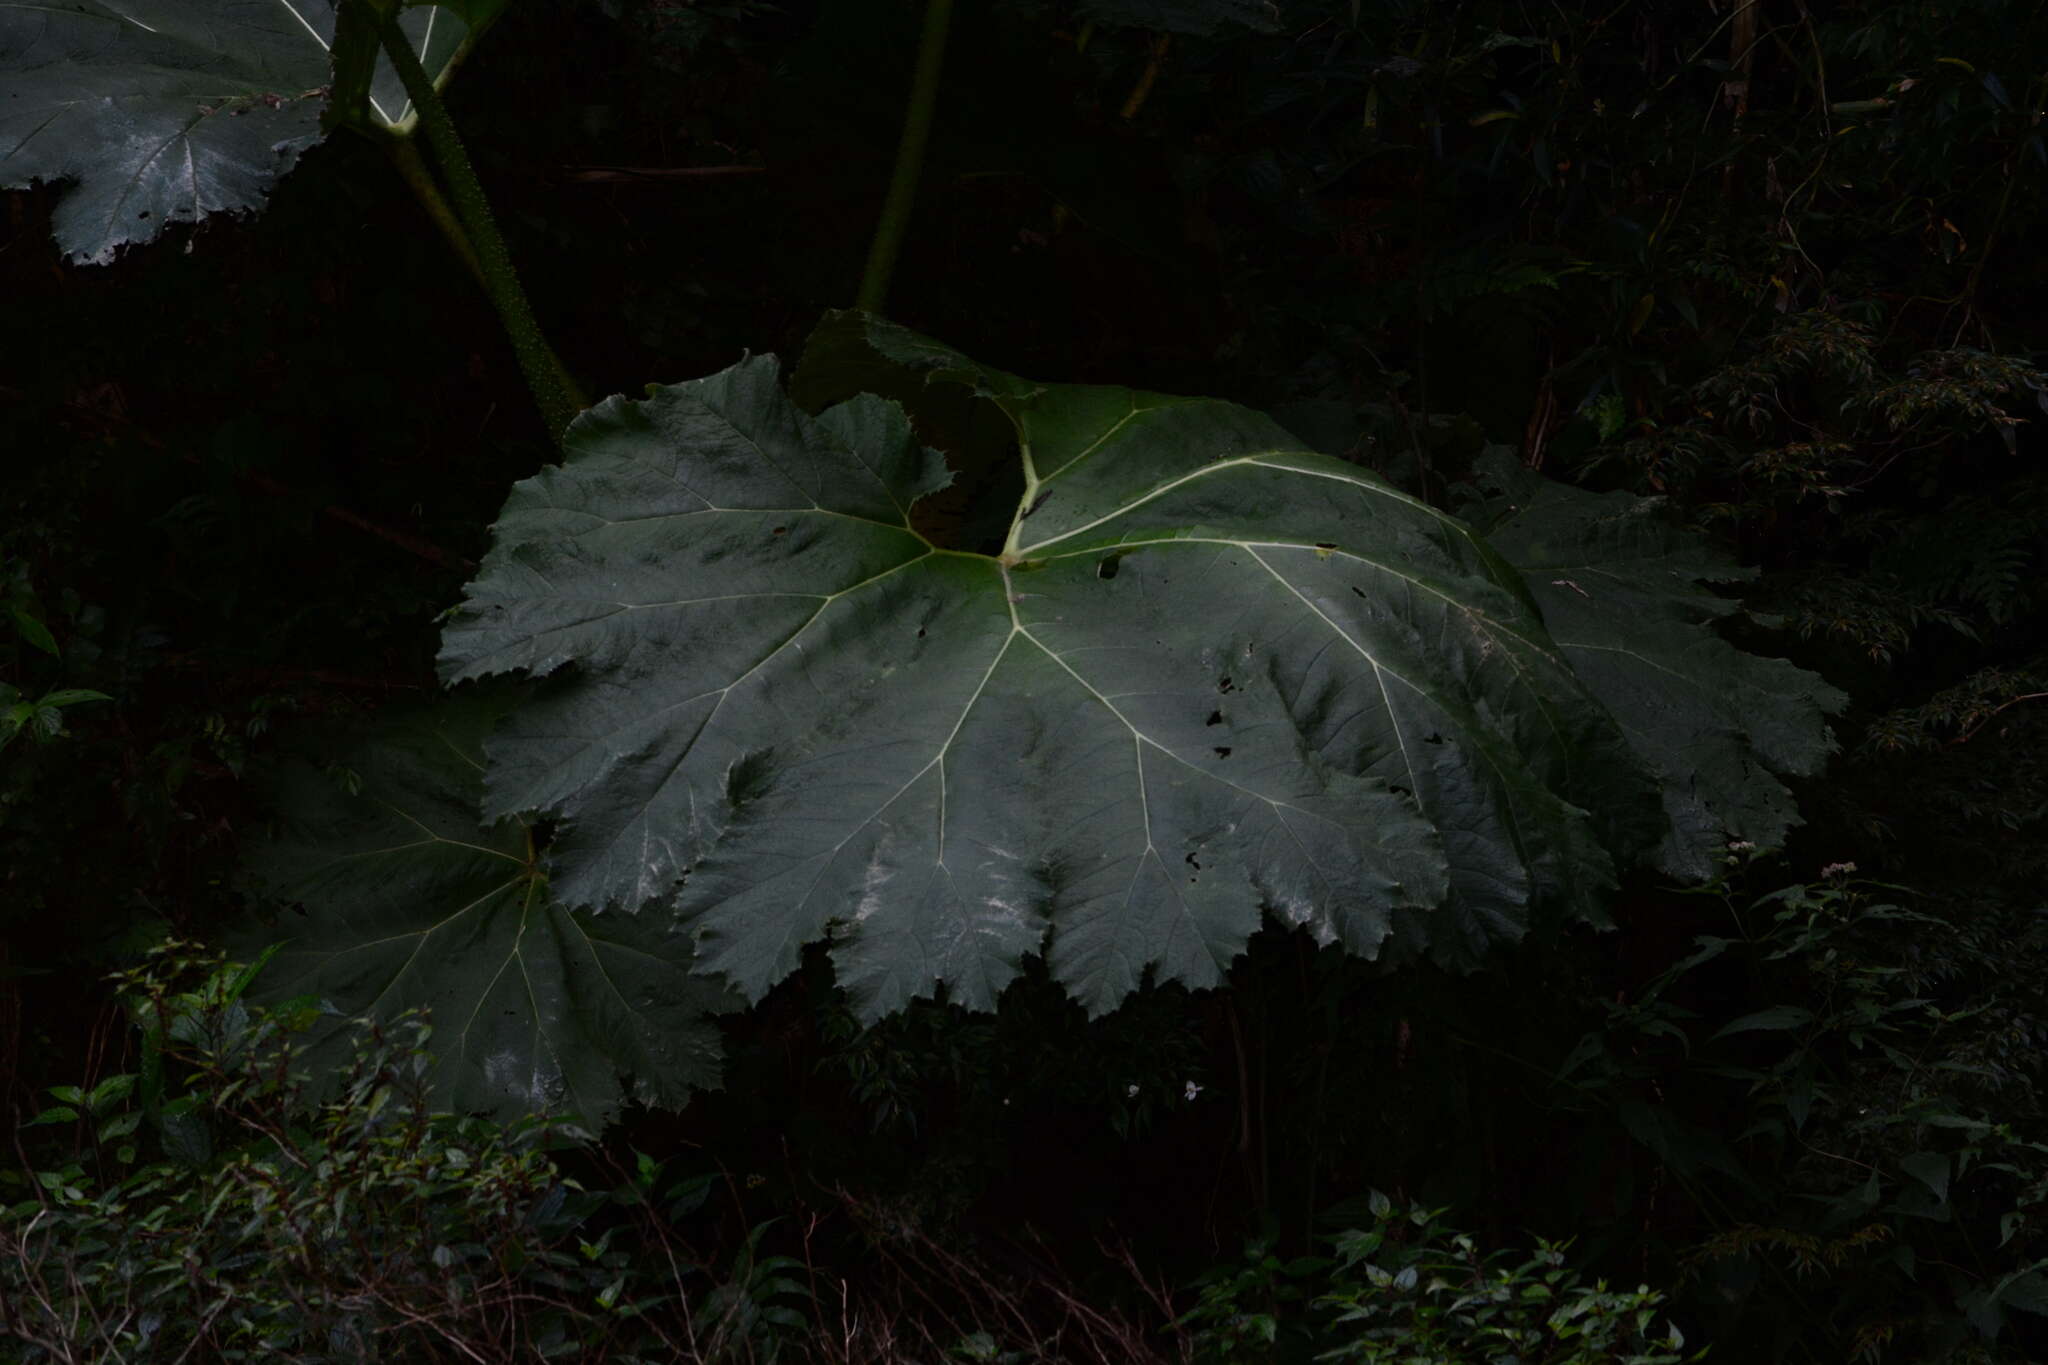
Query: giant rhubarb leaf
{"type": "Point", "coordinates": [1207, 673]}
{"type": "Point", "coordinates": [404, 900]}
{"type": "Point", "coordinates": [165, 111]}
{"type": "Point", "coordinates": [1622, 592]}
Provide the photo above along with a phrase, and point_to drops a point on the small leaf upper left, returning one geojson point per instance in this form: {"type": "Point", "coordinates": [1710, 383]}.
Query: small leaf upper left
{"type": "Point", "coordinates": [165, 111]}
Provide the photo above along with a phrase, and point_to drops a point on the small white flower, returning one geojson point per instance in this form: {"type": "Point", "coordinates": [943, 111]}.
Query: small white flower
{"type": "Point", "coordinates": [1740, 845]}
{"type": "Point", "coordinates": [1838, 869]}
{"type": "Point", "coordinates": [1130, 1092]}
{"type": "Point", "coordinates": [1194, 1089]}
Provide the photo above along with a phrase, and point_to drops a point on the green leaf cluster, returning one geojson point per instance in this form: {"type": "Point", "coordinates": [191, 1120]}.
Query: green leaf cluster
{"type": "Point", "coordinates": [40, 715]}
{"type": "Point", "coordinates": [1402, 1287]}
{"type": "Point", "coordinates": [1877, 1141]}
{"type": "Point", "coordinates": [207, 1207]}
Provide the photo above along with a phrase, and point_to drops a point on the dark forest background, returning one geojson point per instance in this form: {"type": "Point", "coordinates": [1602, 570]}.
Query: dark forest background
{"type": "Point", "coordinates": [1779, 263]}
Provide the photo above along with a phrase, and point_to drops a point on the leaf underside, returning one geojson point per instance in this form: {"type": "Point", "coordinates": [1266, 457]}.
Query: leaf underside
{"type": "Point", "coordinates": [409, 902]}
{"type": "Point", "coordinates": [1211, 674]}
{"type": "Point", "coordinates": [166, 111]}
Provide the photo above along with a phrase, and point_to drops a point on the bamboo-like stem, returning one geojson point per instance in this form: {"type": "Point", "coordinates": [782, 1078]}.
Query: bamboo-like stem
{"type": "Point", "coordinates": [917, 129]}
{"type": "Point", "coordinates": [552, 390]}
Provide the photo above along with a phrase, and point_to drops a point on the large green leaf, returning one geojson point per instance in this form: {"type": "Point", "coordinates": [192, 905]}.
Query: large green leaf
{"type": "Point", "coordinates": [404, 900]}
{"type": "Point", "coordinates": [1207, 673]}
{"type": "Point", "coordinates": [164, 111]}
{"type": "Point", "coordinates": [1621, 588]}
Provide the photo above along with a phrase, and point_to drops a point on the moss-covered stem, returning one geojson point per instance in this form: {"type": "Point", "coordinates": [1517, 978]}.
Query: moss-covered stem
{"type": "Point", "coordinates": [552, 391]}
{"type": "Point", "coordinates": [917, 129]}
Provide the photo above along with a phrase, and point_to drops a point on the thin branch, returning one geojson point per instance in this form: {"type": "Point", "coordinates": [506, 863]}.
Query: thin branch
{"type": "Point", "coordinates": [589, 175]}
{"type": "Point", "coordinates": [1971, 733]}
{"type": "Point", "coordinates": [1147, 78]}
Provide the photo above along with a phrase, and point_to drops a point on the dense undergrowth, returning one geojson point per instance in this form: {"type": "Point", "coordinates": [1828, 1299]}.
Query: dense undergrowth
{"type": "Point", "coordinates": [211, 1209]}
{"type": "Point", "coordinates": [1850, 1150]}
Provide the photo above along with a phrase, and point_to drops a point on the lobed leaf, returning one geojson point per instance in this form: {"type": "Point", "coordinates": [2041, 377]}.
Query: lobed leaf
{"type": "Point", "coordinates": [1622, 590]}
{"type": "Point", "coordinates": [409, 901]}
{"type": "Point", "coordinates": [1207, 673]}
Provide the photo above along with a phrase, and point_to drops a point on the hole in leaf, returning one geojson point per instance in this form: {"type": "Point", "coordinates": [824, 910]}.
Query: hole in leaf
{"type": "Point", "coordinates": [143, 214]}
{"type": "Point", "coordinates": [1358, 590]}
{"type": "Point", "coordinates": [1432, 739]}
{"type": "Point", "coordinates": [1107, 568]}
{"type": "Point", "coordinates": [781, 531]}
{"type": "Point", "coordinates": [1326, 545]}
{"type": "Point", "coordinates": [749, 778]}
{"type": "Point", "coordinates": [1400, 791]}
{"type": "Point", "coordinates": [1225, 685]}
{"type": "Point", "coordinates": [1191, 862]}
{"type": "Point", "coordinates": [1215, 718]}
{"type": "Point", "coordinates": [920, 632]}
{"type": "Point", "coordinates": [1223, 751]}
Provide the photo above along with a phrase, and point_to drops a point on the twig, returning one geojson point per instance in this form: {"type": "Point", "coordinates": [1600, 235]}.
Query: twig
{"type": "Point", "coordinates": [404, 540]}
{"type": "Point", "coordinates": [586, 175]}
{"type": "Point", "coordinates": [263, 483]}
{"type": "Point", "coordinates": [1147, 78]}
{"type": "Point", "coordinates": [1971, 733]}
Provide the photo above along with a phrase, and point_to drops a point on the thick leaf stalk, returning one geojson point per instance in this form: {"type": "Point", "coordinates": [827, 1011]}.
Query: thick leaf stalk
{"type": "Point", "coordinates": [917, 129]}
{"type": "Point", "coordinates": [552, 390]}
{"type": "Point", "coordinates": [412, 168]}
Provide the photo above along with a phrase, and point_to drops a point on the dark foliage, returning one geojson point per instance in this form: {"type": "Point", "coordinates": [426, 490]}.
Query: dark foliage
{"type": "Point", "coordinates": [1770, 261]}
